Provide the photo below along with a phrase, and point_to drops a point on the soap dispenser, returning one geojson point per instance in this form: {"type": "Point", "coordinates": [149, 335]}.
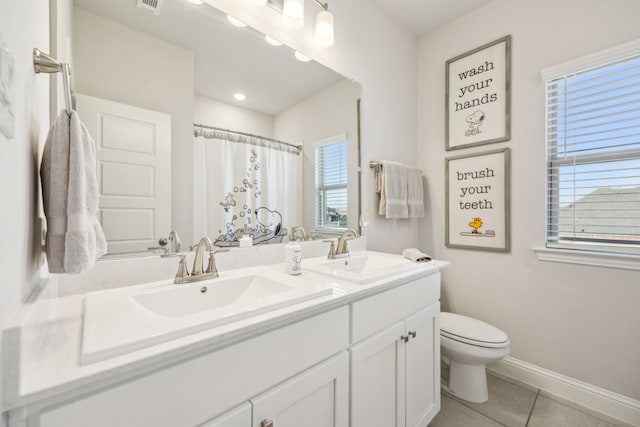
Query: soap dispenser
{"type": "Point", "coordinates": [293, 258]}
{"type": "Point", "coordinates": [245, 241]}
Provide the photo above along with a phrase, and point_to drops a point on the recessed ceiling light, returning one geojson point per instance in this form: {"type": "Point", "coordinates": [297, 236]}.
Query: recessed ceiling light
{"type": "Point", "coordinates": [272, 41]}
{"type": "Point", "coordinates": [301, 57]}
{"type": "Point", "coordinates": [240, 96]}
{"type": "Point", "coordinates": [236, 22]}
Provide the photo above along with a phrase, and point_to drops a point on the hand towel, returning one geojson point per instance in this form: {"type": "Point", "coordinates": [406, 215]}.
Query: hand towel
{"type": "Point", "coordinates": [415, 255]}
{"type": "Point", "coordinates": [391, 183]}
{"type": "Point", "coordinates": [74, 237]}
{"type": "Point", "coordinates": [414, 192]}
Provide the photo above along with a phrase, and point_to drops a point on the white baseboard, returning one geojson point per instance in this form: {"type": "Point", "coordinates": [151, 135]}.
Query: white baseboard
{"type": "Point", "coordinates": [589, 396]}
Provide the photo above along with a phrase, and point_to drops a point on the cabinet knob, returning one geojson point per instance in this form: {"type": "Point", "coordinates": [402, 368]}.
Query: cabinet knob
{"type": "Point", "coordinates": [267, 423]}
{"type": "Point", "coordinates": [413, 334]}
{"type": "Point", "coordinates": [404, 338]}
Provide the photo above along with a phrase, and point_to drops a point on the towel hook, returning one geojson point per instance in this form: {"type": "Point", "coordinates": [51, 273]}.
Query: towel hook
{"type": "Point", "coordinates": [44, 63]}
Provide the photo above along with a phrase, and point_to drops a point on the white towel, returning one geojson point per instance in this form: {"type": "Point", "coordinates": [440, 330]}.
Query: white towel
{"type": "Point", "coordinates": [414, 193]}
{"type": "Point", "coordinates": [391, 183]}
{"type": "Point", "coordinates": [74, 237]}
{"type": "Point", "coordinates": [415, 255]}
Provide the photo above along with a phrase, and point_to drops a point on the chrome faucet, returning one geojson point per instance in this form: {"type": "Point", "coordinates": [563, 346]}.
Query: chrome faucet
{"type": "Point", "coordinates": [174, 239]}
{"type": "Point", "coordinates": [341, 249]}
{"type": "Point", "coordinates": [197, 273]}
{"type": "Point", "coordinates": [294, 231]}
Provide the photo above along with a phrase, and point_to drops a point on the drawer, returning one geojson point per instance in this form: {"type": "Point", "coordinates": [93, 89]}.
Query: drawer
{"type": "Point", "coordinates": [377, 312]}
{"type": "Point", "coordinates": [192, 392]}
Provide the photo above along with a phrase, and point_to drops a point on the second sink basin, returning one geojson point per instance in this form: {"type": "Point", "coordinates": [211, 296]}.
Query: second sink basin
{"type": "Point", "coordinates": [364, 267]}
{"type": "Point", "coordinates": [122, 320]}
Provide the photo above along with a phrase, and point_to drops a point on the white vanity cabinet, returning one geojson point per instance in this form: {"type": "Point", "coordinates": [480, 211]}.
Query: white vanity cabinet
{"type": "Point", "coordinates": [237, 417]}
{"type": "Point", "coordinates": [395, 373]}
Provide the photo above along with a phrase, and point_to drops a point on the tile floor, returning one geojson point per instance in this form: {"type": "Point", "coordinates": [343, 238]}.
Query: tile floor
{"type": "Point", "coordinates": [516, 405]}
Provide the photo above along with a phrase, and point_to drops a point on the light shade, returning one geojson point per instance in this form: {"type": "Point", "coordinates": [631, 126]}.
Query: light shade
{"type": "Point", "coordinates": [272, 41]}
{"type": "Point", "coordinates": [236, 21]}
{"type": "Point", "coordinates": [293, 14]}
{"type": "Point", "coordinates": [300, 57]}
{"type": "Point", "coordinates": [324, 28]}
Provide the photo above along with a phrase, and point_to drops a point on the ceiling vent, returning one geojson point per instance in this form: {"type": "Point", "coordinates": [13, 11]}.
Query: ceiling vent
{"type": "Point", "coordinates": [152, 6]}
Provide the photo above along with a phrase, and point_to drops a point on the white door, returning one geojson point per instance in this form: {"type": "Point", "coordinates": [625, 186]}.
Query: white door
{"type": "Point", "coordinates": [134, 172]}
{"type": "Point", "coordinates": [318, 397]}
{"type": "Point", "coordinates": [422, 401]}
{"type": "Point", "coordinates": [377, 380]}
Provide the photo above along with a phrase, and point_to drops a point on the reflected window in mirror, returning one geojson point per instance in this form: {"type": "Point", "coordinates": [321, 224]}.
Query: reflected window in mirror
{"type": "Point", "coordinates": [331, 184]}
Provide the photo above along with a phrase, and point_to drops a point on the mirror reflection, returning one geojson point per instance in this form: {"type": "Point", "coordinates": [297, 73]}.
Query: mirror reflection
{"type": "Point", "coordinates": [144, 80]}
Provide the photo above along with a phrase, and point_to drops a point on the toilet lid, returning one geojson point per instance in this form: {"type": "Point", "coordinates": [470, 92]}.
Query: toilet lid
{"type": "Point", "coordinates": [471, 331]}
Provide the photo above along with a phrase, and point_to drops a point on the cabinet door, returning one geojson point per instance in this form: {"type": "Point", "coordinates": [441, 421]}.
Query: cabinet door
{"type": "Point", "coordinates": [318, 397]}
{"type": "Point", "coordinates": [422, 400]}
{"type": "Point", "coordinates": [377, 379]}
{"type": "Point", "coordinates": [238, 417]}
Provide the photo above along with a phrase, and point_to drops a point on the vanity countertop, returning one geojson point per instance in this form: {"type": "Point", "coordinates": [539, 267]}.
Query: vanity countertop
{"type": "Point", "coordinates": [43, 344]}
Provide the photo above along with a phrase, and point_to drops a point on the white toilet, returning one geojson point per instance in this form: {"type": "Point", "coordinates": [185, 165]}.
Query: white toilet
{"type": "Point", "coordinates": [469, 344]}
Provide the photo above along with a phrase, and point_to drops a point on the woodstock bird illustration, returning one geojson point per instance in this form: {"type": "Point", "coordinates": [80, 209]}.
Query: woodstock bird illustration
{"type": "Point", "coordinates": [476, 224]}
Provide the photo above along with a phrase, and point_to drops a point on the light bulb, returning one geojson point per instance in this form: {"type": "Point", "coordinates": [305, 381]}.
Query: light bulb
{"type": "Point", "coordinates": [300, 57]}
{"type": "Point", "coordinates": [236, 22]}
{"type": "Point", "coordinates": [272, 41]}
{"type": "Point", "coordinates": [293, 13]}
{"type": "Point", "coordinates": [324, 28]}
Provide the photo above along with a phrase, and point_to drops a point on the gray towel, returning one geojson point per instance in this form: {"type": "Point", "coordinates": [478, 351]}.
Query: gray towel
{"type": "Point", "coordinates": [74, 237]}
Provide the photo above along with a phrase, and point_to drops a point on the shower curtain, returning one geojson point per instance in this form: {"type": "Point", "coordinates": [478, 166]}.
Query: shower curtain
{"type": "Point", "coordinates": [243, 184]}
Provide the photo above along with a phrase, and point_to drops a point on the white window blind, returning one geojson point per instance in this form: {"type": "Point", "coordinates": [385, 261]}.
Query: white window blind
{"type": "Point", "coordinates": [593, 158]}
{"type": "Point", "coordinates": [331, 184]}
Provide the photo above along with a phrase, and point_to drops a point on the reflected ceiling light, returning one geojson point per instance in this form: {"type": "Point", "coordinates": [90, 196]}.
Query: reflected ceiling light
{"type": "Point", "coordinates": [196, 1]}
{"type": "Point", "coordinates": [236, 22]}
{"type": "Point", "coordinates": [272, 41]}
{"type": "Point", "coordinates": [293, 13]}
{"type": "Point", "coordinates": [324, 26]}
{"type": "Point", "coordinates": [239, 96]}
{"type": "Point", "coordinates": [300, 57]}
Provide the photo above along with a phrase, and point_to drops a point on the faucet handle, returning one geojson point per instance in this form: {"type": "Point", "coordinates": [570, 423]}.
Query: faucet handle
{"type": "Point", "coordinates": [182, 270]}
{"type": "Point", "coordinates": [332, 249]}
{"type": "Point", "coordinates": [211, 266]}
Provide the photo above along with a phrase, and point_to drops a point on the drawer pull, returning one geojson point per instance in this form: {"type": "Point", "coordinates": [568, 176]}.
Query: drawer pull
{"type": "Point", "coordinates": [413, 334]}
{"type": "Point", "coordinates": [404, 338]}
{"type": "Point", "coordinates": [267, 423]}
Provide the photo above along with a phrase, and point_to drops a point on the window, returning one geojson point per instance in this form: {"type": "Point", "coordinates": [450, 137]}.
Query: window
{"type": "Point", "coordinates": [331, 183]}
{"type": "Point", "coordinates": [593, 153]}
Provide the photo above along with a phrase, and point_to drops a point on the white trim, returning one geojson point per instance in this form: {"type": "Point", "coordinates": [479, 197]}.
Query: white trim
{"type": "Point", "coordinates": [589, 396]}
{"type": "Point", "coordinates": [602, 57]}
{"type": "Point", "coordinates": [597, 259]}
{"type": "Point", "coordinates": [330, 140]}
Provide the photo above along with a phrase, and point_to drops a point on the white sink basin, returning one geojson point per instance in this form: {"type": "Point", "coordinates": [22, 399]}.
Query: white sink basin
{"type": "Point", "coordinates": [364, 267]}
{"type": "Point", "coordinates": [122, 320]}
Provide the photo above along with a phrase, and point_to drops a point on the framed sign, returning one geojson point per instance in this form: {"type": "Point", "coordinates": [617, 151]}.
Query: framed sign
{"type": "Point", "coordinates": [478, 96]}
{"type": "Point", "coordinates": [477, 201]}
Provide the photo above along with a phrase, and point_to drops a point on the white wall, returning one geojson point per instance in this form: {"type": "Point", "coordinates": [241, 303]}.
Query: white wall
{"type": "Point", "coordinates": [211, 112]}
{"type": "Point", "coordinates": [374, 51]}
{"type": "Point", "coordinates": [23, 26]}
{"type": "Point", "coordinates": [114, 62]}
{"type": "Point", "coordinates": [580, 321]}
{"type": "Point", "coordinates": [323, 115]}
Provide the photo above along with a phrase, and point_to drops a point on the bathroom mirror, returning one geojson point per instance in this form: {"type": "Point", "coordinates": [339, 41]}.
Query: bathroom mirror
{"type": "Point", "coordinates": [187, 61]}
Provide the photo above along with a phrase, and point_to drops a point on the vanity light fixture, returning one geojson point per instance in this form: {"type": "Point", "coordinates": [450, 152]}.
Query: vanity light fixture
{"type": "Point", "coordinates": [324, 26]}
{"type": "Point", "coordinates": [293, 14]}
{"type": "Point", "coordinates": [239, 96]}
{"type": "Point", "coordinates": [235, 21]}
{"type": "Point", "coordinates": [272, 41]}
{"type": "Point", "coordinates": [300, 57]}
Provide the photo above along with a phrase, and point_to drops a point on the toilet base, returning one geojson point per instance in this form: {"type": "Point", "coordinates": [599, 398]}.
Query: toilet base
{"type": "Point", "coordinates": [468, 381]}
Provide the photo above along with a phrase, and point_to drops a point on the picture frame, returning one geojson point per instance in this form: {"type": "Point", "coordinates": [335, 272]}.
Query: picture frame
{"type": "Point", "coordinates": [477, 213]}
{"type": "Point", "coordinates": [478, 96]}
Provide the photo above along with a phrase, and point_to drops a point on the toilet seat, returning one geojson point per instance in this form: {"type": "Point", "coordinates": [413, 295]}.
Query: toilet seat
{"type": "Point", "coordinates": [471, 331]}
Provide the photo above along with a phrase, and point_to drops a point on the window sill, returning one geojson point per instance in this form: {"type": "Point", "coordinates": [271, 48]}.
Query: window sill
{"type": "Point", "coordinates": [596, 259]}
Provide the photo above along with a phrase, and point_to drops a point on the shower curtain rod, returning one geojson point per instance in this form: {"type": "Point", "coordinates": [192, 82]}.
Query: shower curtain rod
{"type": "Point", "coordinates": [298, 147]}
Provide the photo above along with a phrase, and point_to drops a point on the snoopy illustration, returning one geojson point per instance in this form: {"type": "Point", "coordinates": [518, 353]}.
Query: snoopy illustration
{"type": "Point", "coordinates": [475, 120]}
{"type": "Point", "coordinates": [476, 224]}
